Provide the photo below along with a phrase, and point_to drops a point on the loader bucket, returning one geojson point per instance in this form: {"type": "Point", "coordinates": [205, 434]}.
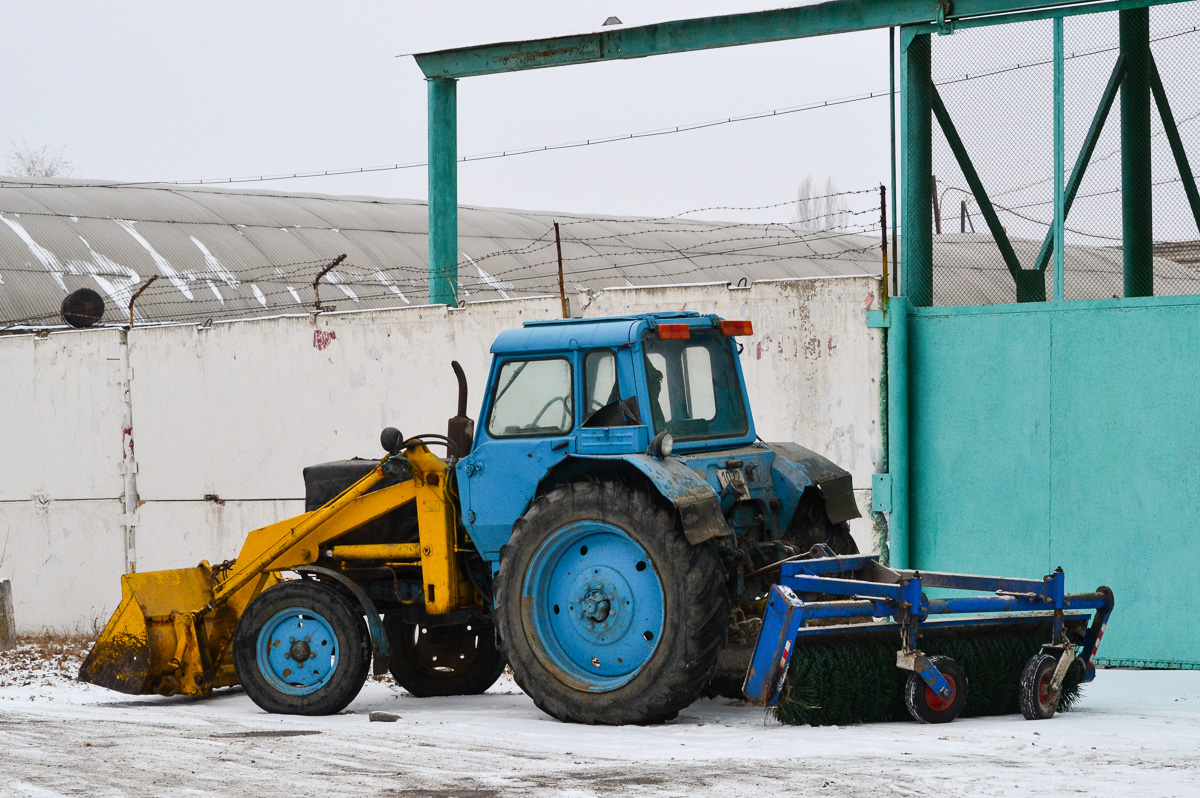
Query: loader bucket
{"type": "Point", "coordinates": [149, 642]}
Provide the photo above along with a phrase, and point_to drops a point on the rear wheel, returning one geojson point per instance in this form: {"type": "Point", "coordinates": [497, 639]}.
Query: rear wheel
{"type": "Point", "coordinates": [926, 706]}
{"type": "Point", "coordinates": [301, 648]}
{"type": "Point", "coordinates": [606, 613]}
{"type": "Point", "coordinates": [458, 659]}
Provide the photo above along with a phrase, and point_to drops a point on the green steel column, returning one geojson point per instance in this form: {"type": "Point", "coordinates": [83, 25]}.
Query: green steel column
{"type": "Point", "coordinates": [1059, 161]}
{"type": "Point", "coordinates": [1136, 215]}
{"type": "Point", "coordinates": [443, 192]}
{"type": "Point", "coordinates": [917, 170]}
{"type": "Point", "coordinates": [895, 289]}
{"type": "Point", "coordinates": [899, 541]}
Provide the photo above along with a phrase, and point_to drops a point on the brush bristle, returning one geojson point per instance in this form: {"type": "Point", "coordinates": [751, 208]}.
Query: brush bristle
{"type": "Point", "coordinates": [839, 683]}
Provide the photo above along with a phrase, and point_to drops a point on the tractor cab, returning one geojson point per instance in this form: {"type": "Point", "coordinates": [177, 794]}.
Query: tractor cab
{"type": "Point", "coordinates": [634, 387]}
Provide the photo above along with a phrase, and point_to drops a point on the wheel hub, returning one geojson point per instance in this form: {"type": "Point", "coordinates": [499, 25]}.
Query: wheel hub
{"type": "Point", "coordinates": [300, 650]}
{"type": "Point", "coordinates": [596, 606]}
{"type": "Point", "coordinates": [604, 606]}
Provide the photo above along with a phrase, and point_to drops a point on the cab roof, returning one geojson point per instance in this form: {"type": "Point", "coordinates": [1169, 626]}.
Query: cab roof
{"type": "Point", "coordinates": [559, 334]}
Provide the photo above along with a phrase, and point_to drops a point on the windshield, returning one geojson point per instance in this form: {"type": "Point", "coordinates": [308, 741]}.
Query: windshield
{"type": "Point", "coordinates": [694, 387]}
{"type": "Point", "coordinates": [533, 398]}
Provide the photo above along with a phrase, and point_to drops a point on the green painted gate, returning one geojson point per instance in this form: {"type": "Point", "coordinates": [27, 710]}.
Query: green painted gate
{"type": "Point", "coordinates": [1065, 434]}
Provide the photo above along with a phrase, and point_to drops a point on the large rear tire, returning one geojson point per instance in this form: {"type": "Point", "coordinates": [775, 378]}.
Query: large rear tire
{"type": "Point", "coordinates": [606, 614]}
{"type": "Point", "coordinates": [460, 659]}
{"type": "Point", "coordinates": [301, 648]}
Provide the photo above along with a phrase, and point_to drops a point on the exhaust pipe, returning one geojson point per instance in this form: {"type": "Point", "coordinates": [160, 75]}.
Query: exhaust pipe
{"type": "Point", "coordinates": [461, 429]}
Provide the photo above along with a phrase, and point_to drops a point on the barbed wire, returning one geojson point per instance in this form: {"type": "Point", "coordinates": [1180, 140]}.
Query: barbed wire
{"type": "Point", "coordinates": [673, 129]}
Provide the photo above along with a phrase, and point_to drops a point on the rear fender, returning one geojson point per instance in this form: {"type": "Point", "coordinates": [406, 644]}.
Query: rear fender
{"type": "Point", "coordinates": [795, 468]}
{"type": "Point", "coordinates": [697, 503]}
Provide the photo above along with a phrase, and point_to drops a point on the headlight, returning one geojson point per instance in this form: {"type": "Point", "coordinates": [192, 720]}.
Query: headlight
{"type": "Point", "coordinates": [662, 445]}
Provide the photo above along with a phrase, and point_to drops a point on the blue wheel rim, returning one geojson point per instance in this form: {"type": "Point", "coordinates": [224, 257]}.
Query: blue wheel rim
{"type": "Point", "coordinates": [597, 605]}
{"type": "Point", "coordinates": [298, 651]}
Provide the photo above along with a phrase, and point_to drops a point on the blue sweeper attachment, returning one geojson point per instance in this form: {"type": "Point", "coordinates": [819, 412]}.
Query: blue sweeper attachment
{"type": "Point", "coordinates": [830, 599]}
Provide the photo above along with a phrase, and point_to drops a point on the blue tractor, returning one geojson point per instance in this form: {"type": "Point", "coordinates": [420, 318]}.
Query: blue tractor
{"type": "Point", "coordinates": [629, 514]}
{"type": "Point", "coordinates": [612, 530]}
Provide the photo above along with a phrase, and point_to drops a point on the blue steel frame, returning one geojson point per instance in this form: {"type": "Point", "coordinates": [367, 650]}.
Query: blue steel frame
{"type": "Point", "coordinates": [881, 592]}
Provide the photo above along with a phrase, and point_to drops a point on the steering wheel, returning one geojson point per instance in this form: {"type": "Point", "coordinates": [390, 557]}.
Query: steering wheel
{"type": "Point", "coordinates": [547, 406]}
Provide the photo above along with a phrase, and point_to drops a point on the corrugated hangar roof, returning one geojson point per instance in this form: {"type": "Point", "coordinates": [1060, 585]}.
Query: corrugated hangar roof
{"type": "Point", "coordinates": [222, 254]}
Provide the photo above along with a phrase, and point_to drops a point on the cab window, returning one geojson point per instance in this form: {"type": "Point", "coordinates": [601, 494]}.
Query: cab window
{"type": "Point", "coordinates": [694, 389]}
{"type": "Point", "coordinates": [603, 404]}
{"type": "Point", "coordinates": [532, 398]}
{"type": "Point", "coordinates": [600, 384]}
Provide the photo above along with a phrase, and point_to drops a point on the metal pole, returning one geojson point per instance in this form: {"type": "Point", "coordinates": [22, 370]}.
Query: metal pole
{"type": "Point", "coordinates": [937, 207]}
{"type": "Point", "coordinates": [884, 247]}
{"type": "Point", "coordinates": [133, 299]}
{"type": "Point", "coordinates": [443, 192]}
{"type": "Point", "coordinates": [317, 282]}
{"type": "Point", "coordinates": [1059, 160]}
{"type": "Point", "coordinates": [562, 293]}
{"type": "Point", "coordinates": [892, 115]}
{"type": "Point", "coordinates": [1136, 190]}
{"type": "Point", "coordinates": [899, 541]}
{"type": "Point", "coordinates": [917, 166]}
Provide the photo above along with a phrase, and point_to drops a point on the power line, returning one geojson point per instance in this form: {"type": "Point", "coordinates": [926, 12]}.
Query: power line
{"type": "Point", "coordinates": [683, 128]}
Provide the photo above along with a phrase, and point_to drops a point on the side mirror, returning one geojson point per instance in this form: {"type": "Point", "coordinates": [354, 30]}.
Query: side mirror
{"type": "Point", "coordinates": [392, 440]}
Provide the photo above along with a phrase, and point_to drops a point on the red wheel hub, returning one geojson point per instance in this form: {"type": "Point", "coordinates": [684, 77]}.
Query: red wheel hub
{"type": "Point", "coordinates": [1044, 687]}
{"type": "Point", "coordinates": [935, 701]}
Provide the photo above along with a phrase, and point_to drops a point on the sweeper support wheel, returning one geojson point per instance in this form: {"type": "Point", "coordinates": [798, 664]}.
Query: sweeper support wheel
{"type": "Point", "coordinates": [925, 705]}
{"type": "Point", "coordinates": [1038, 700]}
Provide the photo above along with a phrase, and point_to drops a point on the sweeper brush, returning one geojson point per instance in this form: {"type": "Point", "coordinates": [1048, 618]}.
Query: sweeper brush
{"type": "Point", "coordinates": [1027, 648]}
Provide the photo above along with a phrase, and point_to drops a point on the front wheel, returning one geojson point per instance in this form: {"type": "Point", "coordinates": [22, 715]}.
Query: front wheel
{"type": "Point", "coordinates": [606, 613]}
{"type": "Point", "coordinates": [300, 648]}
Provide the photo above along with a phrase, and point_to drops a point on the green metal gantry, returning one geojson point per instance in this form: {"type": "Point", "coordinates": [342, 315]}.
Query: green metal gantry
{"type": "Point", "coordinates": [918, 19]}
{"type": "Point", "coordinates": [1135, 78]}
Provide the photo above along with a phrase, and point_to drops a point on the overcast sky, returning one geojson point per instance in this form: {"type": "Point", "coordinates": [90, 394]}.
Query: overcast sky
{"type": "Point", "coordinates": [171, 91]}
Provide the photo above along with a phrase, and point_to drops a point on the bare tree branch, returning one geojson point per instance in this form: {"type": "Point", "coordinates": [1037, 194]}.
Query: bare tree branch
{"type": "Point", "coordinates": [44, 161]}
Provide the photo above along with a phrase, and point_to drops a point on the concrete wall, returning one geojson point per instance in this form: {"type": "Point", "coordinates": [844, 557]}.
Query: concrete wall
{"type": "Point", "coordinates": [235, 411]}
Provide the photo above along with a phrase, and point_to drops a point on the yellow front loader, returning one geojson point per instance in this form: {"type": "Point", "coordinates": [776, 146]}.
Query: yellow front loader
{"type": "Point", "coordinates": [173, 631]}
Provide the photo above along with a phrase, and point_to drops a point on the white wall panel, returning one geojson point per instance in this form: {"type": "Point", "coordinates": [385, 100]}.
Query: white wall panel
{"type": "Point", "coordinates": [239, 409]}
{"type": "Point", "coordinates": [61, 416]}
{"type": "Point", "coordinates": [65, 560]}
{"type": "Point", "coordinates": [181, 534]}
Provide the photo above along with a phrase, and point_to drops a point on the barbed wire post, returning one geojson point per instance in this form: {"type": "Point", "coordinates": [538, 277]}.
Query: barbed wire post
{"type": "Point", "coordinates": [317, 282]}
{"type": "Point", "coordinates": [884, 245]}
{"type": "Point", "coordinates": [137, 294]}
{"type": "Point", "coordinates": [562, 292]}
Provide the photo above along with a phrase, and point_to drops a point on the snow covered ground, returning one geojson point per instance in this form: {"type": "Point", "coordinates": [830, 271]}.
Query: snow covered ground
{"type": "Point", "coordinates": [1134, 733]}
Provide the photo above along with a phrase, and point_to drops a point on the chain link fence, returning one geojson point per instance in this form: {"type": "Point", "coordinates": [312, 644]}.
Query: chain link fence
{"type": "Point", "coordinates": [997, 84]}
